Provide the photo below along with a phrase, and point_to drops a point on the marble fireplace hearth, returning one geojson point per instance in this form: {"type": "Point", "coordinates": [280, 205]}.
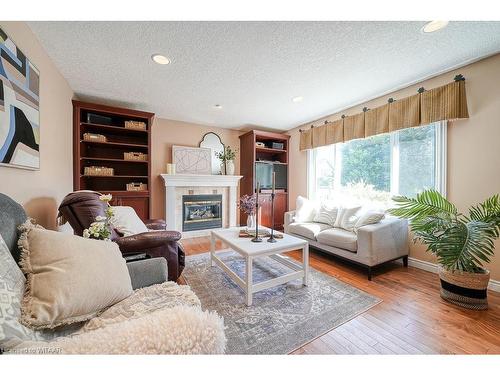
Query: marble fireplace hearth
{"type": "Point", "coordinates": [182, 185]}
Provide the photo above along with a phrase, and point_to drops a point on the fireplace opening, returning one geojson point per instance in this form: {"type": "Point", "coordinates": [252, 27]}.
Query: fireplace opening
{"type": "Point", "coordinates": [202, 211]}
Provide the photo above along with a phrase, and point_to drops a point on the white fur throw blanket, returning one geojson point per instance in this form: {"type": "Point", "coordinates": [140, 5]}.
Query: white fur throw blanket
{"type": "Point", "coordinates": [160, 319]}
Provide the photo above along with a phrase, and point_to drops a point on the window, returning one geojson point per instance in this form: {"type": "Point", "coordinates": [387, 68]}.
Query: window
{"type": "Point", "coordinates": [375, 168]}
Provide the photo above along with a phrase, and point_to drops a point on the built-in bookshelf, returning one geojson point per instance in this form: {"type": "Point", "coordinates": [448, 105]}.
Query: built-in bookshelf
{"type": "Point", "coordinates": [109, 122]}
{"type": "Point", "coordinates": [262, 153]}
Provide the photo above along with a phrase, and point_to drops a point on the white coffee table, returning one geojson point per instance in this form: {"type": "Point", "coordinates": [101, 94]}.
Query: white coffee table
{"type": "Point", "coordinates": [251, 250]}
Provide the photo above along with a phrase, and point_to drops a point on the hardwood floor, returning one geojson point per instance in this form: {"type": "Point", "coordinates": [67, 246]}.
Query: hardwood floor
{"type": "Point", "coordinates": [412, 319]}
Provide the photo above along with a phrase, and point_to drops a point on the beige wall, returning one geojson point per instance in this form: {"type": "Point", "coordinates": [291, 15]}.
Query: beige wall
{"type": "Point", "coordinates": [473, 144]}
{"type": "Point", "coordinates": [166, 133]}
{"type": "Point", "coordinates": [41, 191]}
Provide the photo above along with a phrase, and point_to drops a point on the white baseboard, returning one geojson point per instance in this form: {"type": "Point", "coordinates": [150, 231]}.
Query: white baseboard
{"type": "Point", "coordinates": [494, 285]}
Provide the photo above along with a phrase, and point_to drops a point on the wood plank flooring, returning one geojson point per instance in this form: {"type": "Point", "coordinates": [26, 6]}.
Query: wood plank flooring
{"type": "Point", "coordinates": [412, 319]}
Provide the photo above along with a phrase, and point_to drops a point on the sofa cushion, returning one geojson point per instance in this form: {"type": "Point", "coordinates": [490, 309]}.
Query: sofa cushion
{"type": "Point", "coordinates": [126, 221]}
{"type": "Point", "coordinates": [308, 230]}
{"type": "Point", "coordinates": [305, 210]}
{"type": "Point", "coordinates": [340, 238]}
{"type": "Point", "coordinates": [69, 279]}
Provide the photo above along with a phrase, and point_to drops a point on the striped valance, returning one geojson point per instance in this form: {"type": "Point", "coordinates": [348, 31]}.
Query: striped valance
{"type": "Point", "coordinates": [447, 102]}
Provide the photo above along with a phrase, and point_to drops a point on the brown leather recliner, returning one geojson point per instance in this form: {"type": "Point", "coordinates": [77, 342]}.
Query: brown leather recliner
{"type": "Point", "coordinates": [82, 207]}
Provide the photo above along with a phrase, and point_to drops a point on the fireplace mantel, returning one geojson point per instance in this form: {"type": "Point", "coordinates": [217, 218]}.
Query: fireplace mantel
{"type": "Point", "coordinates": [200, 180]}
{"type": "Point", "coordinates": [173, 181]}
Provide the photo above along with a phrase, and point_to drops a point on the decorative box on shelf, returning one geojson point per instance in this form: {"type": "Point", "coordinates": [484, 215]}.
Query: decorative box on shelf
{"type": "Point", "coordinates": [137, 186]}
{"type": "Point", "coordinates": [91, 137]}
{"type": "Point", "coordinates": [98, 171]}
{"type": "Point", "coordinates": [135, 156]}
{"type": "Point", "coordinates": [94, 118]}
{"type": "Point", "coordinates": [135, 125]}
{"type": "Point", "coordinates": [277, 145]}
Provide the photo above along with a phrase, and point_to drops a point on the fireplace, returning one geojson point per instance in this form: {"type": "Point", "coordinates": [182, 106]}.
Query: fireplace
{"type": "Point", "coordinates": [202, 211]}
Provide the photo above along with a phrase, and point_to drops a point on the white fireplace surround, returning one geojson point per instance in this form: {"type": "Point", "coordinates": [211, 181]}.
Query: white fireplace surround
{"type": "Point", "coordinates": [182, 181]}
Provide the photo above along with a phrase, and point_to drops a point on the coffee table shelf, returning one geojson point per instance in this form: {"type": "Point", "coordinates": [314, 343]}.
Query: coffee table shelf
{"type": "Point", "coordinates": [251, 250]}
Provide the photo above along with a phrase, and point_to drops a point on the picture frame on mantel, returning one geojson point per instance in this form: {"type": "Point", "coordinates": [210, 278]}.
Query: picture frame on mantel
{"type": "Point", "coordinates": [19, 107]}
{"type": "Point", "coordinates": [192, 160]}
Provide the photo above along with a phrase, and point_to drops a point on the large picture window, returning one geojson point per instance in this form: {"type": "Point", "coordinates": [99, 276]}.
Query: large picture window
{"type": "Point", "coordinates": [375, 168]}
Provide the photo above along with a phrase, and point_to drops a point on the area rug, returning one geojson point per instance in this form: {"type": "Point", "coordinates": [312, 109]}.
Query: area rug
{"type": "Point", "coordinates": [282, 318]}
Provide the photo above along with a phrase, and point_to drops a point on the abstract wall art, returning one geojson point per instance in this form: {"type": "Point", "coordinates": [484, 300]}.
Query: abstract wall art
{"type": "Point", "coordinates": [192, 160]}
{"type": "Point", "coordinates": [19, 107]}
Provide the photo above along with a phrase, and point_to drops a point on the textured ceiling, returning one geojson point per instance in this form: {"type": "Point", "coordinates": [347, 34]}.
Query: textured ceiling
{"type": "Point", "coordinates": [253, 69]}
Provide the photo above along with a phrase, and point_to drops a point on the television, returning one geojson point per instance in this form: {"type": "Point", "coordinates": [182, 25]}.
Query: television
{"type": "Point", "coordinates": [264, 175]}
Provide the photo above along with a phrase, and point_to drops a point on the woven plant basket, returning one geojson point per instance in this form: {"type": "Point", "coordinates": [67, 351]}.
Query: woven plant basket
{"type": "Point", "coordinates": [465, 289]}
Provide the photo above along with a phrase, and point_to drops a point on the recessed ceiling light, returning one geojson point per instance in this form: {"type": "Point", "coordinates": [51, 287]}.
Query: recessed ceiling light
{"type": "Point", "coordinates": [432, 26]}
{"type": "Point", "coordinates": [217, 106]}
{"type": "Point", "coordinates": [297, 99]}
{"type": "Point", "coordinates": [160, 59]}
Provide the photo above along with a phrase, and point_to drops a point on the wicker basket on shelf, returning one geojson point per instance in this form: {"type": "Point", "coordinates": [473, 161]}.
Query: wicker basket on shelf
{"type": "Point", "coordinates": [135, 125]}
{"type": "Point", "coordinates": [98, 171]}
{"type": "Point", "coordinates": [137, 186]}
{"type": "Point", "coordinates": [135, 156]}
{"type": "Point", "coordinates": [91, 137]}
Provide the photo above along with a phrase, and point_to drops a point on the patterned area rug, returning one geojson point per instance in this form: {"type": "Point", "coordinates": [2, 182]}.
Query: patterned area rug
{"type": "Point", "coordinates": [282, 318]}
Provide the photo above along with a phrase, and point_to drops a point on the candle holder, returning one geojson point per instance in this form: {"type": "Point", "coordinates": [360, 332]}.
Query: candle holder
{"type": "Point", "coordinates": [256, 237]}
{"type": "Point", "coordinates": [272, 238]}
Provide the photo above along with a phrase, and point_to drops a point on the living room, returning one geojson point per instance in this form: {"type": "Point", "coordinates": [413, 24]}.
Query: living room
{"type": "Point", "coordinates": [258, 187]}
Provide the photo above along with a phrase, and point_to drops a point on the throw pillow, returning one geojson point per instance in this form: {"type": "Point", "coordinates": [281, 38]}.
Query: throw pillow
{"type": "Point", "coordinates": [126, 221]}
{"type": "Point", "coordinates": [367, 218]}
{"type": "Point", "coordinates": [11, 293]}
{"type": "Point", "coordinates": [305, 210]}
{"type": "Point", "coordinates": [12, 283]}
{"type": "Point", "coordinates": [326, 215]}
{"type": "Point", "coordinates": [346, 219]}
{"type": "Point", "coordinates": [69, 278]}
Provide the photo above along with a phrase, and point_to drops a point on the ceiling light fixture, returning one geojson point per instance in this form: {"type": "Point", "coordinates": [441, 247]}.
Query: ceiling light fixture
{"type": "Point", "coordinates": [217, 106]}
{"type": "Point", "coordinates": [160, 59]}
{"type": "Point", "coordinates": [297, 99]}
{"type": "Point", "coordinates": [432, 26]}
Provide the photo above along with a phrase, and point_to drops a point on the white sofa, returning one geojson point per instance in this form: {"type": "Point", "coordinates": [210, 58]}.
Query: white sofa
{"type": "Point", "coordinates": [373, 244]}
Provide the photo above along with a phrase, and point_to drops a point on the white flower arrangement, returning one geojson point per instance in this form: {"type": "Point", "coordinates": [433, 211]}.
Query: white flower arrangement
{"type": "Point", "coordinates": [100, 229]}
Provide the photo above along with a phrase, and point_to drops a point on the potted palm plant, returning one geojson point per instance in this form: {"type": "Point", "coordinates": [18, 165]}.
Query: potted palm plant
{"type": "Point", "coordinates": [462, 243]}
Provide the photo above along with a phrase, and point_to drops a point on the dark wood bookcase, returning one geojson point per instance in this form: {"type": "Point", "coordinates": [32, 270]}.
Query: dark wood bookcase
{"type": "Point", "coordinates": [111, 153]}
{"type": "Point", "coordinates": [251, 153]}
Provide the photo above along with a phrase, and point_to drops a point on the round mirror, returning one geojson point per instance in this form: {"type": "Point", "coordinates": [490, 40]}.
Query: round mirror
{"type": "Point", "coordinates": [212, 141]}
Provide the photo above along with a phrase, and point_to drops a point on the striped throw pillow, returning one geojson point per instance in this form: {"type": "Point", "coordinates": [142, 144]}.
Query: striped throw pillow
{"type": "Point", "coordinates": [326, 215]}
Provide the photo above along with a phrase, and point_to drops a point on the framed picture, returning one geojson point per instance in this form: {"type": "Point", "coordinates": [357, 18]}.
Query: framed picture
{"type": "Point", "coordinates": [19, 107]}
{"type": "Point", "coordinates": [192, 160]}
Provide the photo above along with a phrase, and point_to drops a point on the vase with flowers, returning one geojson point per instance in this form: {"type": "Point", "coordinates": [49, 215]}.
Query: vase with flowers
{"type": "Point", "coordinates": [100, 229]}
{"type": "Point", "coordinates": [226, 158]}
{"type": "Point", "coordinates": [247, 205]}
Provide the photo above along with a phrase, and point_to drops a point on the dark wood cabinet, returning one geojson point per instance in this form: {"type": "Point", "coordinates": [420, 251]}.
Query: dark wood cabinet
{"type": "Point", "coordinates": [135, 200]}
{"type": "Point", "coordinates": [107, 146]}
{"type": "Point", "coordinates": [262, 151]}
{"type": "Point", "coordinates": [280, 207]}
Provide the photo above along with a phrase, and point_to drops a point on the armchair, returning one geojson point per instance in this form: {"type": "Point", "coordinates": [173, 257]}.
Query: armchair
{"type": "Point", "coordinates": [80, 209]}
